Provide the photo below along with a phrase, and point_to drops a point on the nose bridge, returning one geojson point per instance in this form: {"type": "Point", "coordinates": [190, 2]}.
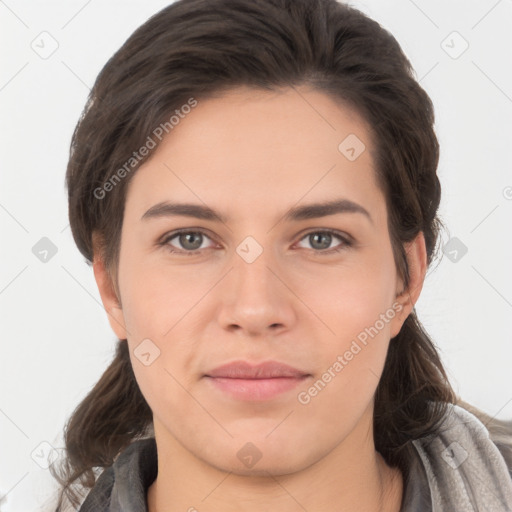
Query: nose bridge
{"type": "Point", "coordinates": [255, 299]}
{"type": "Point", "coordinates": [252, 262]}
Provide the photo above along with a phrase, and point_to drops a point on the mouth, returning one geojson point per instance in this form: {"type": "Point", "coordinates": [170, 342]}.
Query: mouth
{"type": "Point", "coordinates": [242, 381]}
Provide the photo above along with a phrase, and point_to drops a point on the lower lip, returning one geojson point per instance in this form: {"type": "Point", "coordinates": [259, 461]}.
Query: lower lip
{"type": "Point", "coordinates": [255, 389]}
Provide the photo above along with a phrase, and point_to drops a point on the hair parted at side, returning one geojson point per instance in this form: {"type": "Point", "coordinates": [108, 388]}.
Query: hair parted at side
{"type": "Point", "coordinates": [200, 48]}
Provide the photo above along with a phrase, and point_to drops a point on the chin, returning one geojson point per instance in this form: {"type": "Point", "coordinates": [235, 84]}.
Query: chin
{"type": "Point", "coordinates": [260, 458]}
{"type": "Point", "coordinates": [262, 469]}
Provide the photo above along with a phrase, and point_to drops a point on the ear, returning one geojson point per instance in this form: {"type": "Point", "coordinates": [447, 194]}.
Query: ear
{"type": "Point", "coordinates": [417, 262]}
{"type": "Point", "coordinates": [107, 292]}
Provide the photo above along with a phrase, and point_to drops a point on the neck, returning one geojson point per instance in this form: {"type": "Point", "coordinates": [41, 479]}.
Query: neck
{"type": "Point", "coordinates": [352, 477]}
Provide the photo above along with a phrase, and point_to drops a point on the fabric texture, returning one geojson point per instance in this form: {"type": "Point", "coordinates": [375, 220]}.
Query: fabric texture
{"type": "Point", "coordinates": [458, 470]}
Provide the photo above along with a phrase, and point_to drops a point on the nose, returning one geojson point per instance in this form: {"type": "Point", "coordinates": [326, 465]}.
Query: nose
{"type": "Point", "coordinates": [256, 299]}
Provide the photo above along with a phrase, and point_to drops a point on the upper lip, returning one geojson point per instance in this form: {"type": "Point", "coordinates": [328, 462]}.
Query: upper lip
{"type": "Point", "coordinates": [265, 370]}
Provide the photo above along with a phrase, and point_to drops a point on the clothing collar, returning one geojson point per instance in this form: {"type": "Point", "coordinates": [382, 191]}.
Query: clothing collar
{"type": "Point", "coordinates": [459, 469]}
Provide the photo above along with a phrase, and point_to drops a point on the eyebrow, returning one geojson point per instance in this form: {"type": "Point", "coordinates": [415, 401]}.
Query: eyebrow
{"type": "Point", "coordinates": [310, 211]}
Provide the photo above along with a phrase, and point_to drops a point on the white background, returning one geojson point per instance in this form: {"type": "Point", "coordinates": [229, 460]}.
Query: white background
{"type": "Point", "coordinates": [55, 337]}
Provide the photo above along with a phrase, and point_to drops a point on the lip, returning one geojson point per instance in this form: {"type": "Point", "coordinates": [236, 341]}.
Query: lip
{"type": "Point", "coordinates": [246, 370]}
{"type": "Point", "coordinates": [244, 381]}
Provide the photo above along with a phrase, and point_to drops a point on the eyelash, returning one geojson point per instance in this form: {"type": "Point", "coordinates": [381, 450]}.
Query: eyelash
{"type": "Point", "coordinates": [346, 242]}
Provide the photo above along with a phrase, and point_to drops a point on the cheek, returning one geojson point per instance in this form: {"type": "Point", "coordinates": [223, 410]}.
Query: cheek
{"type": "Point", "coordinates": [157, 306]}
{"type": "Point", "coordinates": [156, 297]}
{"type": "Point", "coordinates": [350, 360]}
{"type": "Point", "coordinates": [351, 298]}
{"type": "Point", "coordinates": [358, 314]}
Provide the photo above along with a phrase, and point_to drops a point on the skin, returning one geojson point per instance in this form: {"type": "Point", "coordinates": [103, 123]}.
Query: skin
{"type": "Point", "coordinates": [252, 155]}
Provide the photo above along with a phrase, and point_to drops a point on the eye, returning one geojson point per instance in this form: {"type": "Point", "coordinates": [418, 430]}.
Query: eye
{"type": "Point", "coordinates": [322, 240]}
{"type": "Point", "coordinates": [191, 242]}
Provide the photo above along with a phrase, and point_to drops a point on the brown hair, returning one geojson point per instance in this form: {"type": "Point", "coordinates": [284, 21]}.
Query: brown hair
{"type": "Point", "coordinates": [196, 49]}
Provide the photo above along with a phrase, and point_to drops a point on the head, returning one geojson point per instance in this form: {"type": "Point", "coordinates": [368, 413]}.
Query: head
{"type": "Point", "coordinates": [254, 110]}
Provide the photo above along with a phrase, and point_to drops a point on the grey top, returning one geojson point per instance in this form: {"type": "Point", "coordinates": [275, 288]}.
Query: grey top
{"type": "Point", "coordinates": [458, 470]}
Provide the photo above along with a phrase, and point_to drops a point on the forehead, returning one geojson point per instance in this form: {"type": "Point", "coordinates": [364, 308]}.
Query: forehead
{"type": "Point", "coordinates": [251, 148]}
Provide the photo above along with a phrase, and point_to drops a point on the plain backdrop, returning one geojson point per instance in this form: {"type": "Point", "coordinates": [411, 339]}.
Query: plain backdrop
{"type": "Point", "coordinates": [56, 340]}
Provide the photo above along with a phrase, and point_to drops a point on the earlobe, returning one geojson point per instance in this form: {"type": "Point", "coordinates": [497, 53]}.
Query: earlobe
{"type": "Point", "coordinates": [417, 263]}
{"type": "Point", "coordinates": [109, 298]}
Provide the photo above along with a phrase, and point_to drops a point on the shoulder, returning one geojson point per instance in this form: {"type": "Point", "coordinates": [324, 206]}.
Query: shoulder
{"type": "Point", "coordinates": [464, 467]}
{"type": "Point", "coordinates": [123, 485]}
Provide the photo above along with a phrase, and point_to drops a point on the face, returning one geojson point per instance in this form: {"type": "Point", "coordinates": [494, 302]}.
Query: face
{"type": "Point", "coordinates": [270, 281]}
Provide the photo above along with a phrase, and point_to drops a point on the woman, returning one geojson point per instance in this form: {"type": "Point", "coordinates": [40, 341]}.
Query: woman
{"type": "Point", "coordinates": [255, 185]}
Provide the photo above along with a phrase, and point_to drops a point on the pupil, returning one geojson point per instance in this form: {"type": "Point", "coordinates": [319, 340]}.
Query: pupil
{"type": "Point", "coordinates": [326, 238]}
{"type": "Point", "coordinates": [187, 236]}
